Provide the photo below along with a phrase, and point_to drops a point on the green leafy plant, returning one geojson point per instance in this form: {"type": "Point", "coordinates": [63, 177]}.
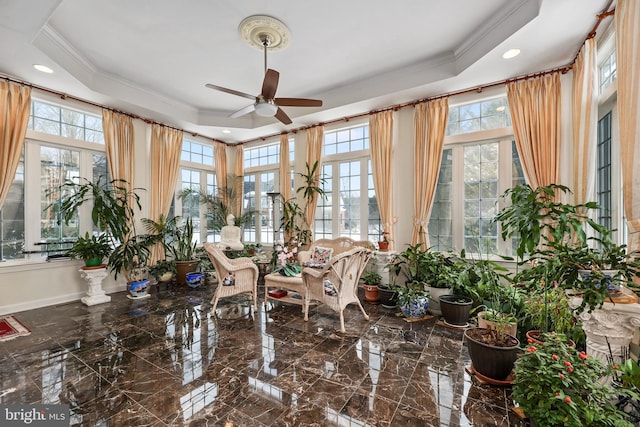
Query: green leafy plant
{"type": "Point", "coordinates": [176, 236]}
{"type": "Point", "coordinates": [433, 269]}
{"type": "Point", "coordinates": [113, 212]}
{"type": "Point", "coordinates": [162, 267]}
{"type": "Point", "coordinates": [91, 247]}
{"type": "Point", "coordinates": [220, 204]}
{"type": "Point", "coordinates": [294, 221]}
{"type": "Point", "coordinates": [371, 278]}
{"type": "Point", "coordinates": [557, 385]}
{"type": "Point", "coordinates": [410, 292]}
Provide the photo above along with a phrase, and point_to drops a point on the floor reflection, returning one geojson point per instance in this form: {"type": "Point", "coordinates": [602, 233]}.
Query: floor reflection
{"type": "Point", "coordinates": [167, 360]}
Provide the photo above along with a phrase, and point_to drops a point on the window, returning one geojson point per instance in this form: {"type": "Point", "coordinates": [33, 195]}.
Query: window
{"type": "Point", "coordinates": [607, 72]}
{"type": "Point", "coordinates": [472, 177]}
{"type": "Point", "coordinates": [195, 152]}
{"type": "Point", "coordinates": [603, 177]}
{"type": "Point", "coordinates": [488, 114]}
{"type": "Point", "coordinates": [12, 218]}
{"type": "Point", "coordinates": [350, 208]}
{"type": "Point", "coordinates": [197, 161]}
{"type": "Point", "coordinates": [440, 232]}
{"type": "Point", "coordinates": [261, 177]}
{"type": "Point", "coordinates": [56, 120]}
{"type": "Point", "coordinates": [28, 220]}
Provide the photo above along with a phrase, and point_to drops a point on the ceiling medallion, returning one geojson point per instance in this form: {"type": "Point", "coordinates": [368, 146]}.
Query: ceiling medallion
{"type": "Point", "coordinates": [256, 28]}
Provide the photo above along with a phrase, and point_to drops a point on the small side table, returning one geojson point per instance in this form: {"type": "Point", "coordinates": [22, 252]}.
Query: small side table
{"type": "Point", "coordinates": [289, 283]}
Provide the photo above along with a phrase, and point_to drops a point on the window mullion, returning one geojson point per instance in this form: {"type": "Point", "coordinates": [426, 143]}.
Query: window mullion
{"type": "Point", "coordinates": [32, 198]}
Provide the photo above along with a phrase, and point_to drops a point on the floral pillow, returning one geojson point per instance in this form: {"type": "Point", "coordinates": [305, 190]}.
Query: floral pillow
{"type": "Point", "coordinates": [321, 255]}
{"type": "Point", "coordinates": [329, 288]}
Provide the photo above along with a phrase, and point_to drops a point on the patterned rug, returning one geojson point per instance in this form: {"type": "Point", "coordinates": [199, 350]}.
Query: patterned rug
{"type": "Point", "coordinates": [10, 328]}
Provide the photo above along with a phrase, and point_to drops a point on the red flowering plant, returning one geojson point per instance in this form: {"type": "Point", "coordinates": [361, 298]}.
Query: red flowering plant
{"type": "Point", "coordinates": [558, 385]}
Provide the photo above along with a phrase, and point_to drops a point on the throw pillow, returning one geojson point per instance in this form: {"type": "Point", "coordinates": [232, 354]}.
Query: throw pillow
{"type": "Point", "coordinates": [321, 255]}
{"type": "Point", "coordinates": [329, 288]}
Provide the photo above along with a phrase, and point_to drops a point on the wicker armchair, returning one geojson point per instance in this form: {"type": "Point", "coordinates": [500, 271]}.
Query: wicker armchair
{"type": "Point", "coordinates": [245, 274]}
{"type": "Point", "coordinates": [336, 285]}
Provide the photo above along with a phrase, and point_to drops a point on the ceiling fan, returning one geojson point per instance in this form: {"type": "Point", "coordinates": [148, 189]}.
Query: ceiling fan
{"type": "Point", "coordinates": [265, 104]}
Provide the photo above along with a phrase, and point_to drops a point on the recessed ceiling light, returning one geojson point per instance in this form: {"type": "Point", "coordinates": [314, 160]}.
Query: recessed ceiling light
{"type": "Point", "coordinates": [226, 131]}
{"type": "Point", "coordinates": [511, 53]}
{"type": "Point", "coordinates": [501, 108]}
{"type": "Point", "coordinates": [43, 68]}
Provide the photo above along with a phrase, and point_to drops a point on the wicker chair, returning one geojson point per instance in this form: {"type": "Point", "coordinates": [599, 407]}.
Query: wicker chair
{"type": "Point", "coordinates": [336, 285]}
{"type": "Point", "coordinates": [244, 270]}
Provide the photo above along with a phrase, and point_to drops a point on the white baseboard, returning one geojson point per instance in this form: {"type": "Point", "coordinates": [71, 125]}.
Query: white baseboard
{"type": "Point", "coordinates": [58, 299]}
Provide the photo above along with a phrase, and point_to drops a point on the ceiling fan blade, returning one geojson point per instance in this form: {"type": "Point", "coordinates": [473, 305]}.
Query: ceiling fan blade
{"type": "Point", "coordinates": [231, 91]}
{"type": "Point", "coordinates": [270, 84]}
{"type": "Point", "coordinates": [246, 110]}
{"type": "Point", "coordinates": [282, 116]}
{"type": "Point", "coordinates": [298, 102]}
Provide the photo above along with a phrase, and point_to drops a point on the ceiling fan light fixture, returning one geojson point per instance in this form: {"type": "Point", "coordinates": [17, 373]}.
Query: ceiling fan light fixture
{"type": "Point", "coordinates": [266, 109]}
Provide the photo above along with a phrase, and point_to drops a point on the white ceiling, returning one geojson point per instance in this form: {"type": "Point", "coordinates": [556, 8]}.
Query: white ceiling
{"type": "Point", "coordinates": [154, 57]}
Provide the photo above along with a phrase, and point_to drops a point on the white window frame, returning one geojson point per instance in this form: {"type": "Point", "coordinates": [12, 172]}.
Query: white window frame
{"type": "Point", "coordinates": [504, 136]}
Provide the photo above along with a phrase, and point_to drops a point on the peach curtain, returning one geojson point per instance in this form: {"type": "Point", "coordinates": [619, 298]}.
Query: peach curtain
{"type": "Point", "coordinates": [15, 107]}
{"type": "Point", "coordinates": [220, 154]}
{"type": "Point", "coordinates": [285, 167]}
{"type": "Point", "coordinates": [239, 179]}
{"type": "Point", "coordinates": [119, 142]}
{"type": "Point", "coordinates": [627, 26]}
{"type": "Point", "coordinates": [314, 154]}
{"type": "Point", "coordinates": [585, 119]}
{"type": "Point", "coordinates": [285, 172]}
{"type": "Point", "coordinates": [430, 122]}
{"type": "Point", "coordinates": [166, 147]}
{"type": "Point", "coordinates": [381, 141]}
{"type": "Point", "coordinates": [534, 105]}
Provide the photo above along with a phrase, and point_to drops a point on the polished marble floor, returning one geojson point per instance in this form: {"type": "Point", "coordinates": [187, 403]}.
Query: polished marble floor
{"type": "Point", "coordinates": [166, 360]}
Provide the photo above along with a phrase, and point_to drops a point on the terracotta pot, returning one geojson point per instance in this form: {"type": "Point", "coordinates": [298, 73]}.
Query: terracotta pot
{"type": "Point", "coordinates": [383, 246]}
{"type": "Point", "coordinates": [371, 293]}
{"type": "Point", "coordinates": [184, 267]}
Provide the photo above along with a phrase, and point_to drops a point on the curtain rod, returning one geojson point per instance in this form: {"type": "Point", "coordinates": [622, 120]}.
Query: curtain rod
{"type": "Point", "coordinates": [564, 69]}
{"type": "Point", "coordinates": [63, 95]}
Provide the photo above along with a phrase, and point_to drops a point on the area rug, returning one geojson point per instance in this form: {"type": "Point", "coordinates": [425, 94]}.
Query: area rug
{"type": "Point", "coordinates": [11, 328]}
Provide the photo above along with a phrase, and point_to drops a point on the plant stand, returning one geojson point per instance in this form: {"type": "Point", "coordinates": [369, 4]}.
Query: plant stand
{"type": "Point", "coordinates": [612, 323]}
{"type": "Point", "coordinates": [94, 277]}
{"type": "Point", "coordinates": [379, 263]}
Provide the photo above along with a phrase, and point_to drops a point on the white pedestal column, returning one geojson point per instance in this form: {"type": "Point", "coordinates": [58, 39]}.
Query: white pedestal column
{"type": "Point", "coordinates": [613, 323]}
{"type": "Point", "coordinates": [379, 262]}
{"type": "Point", "coordinates": [94, 277]}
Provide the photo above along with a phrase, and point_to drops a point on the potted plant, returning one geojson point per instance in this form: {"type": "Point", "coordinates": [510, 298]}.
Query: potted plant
{"type": "Point", "coordinates": [383, 243]}
{"type": "Point", "coordinates": [294, 222]}
{"type": "Point", "coordinates": [113, 212]}
{"type": "Point", "coordinates": [91, 248]}
{"type": "Point", "coordinates": [176, 237]}
{"type": "Point", "coordinates": [163, 270]}
{"type": "Point", "coordinates": [556, 384]}
{"type": "Point", "coordinates": [371, 281]}
{"type": "Point", "coordinates": [412, 299]}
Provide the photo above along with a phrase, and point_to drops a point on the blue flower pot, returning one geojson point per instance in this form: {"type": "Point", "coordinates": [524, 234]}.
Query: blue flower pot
{"type": "Point", "coordinates": [139, 288]}
{"type": "Point", "coordinates": [194, 280]}
{"type": "Point", "coordinates": [416, 309]}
